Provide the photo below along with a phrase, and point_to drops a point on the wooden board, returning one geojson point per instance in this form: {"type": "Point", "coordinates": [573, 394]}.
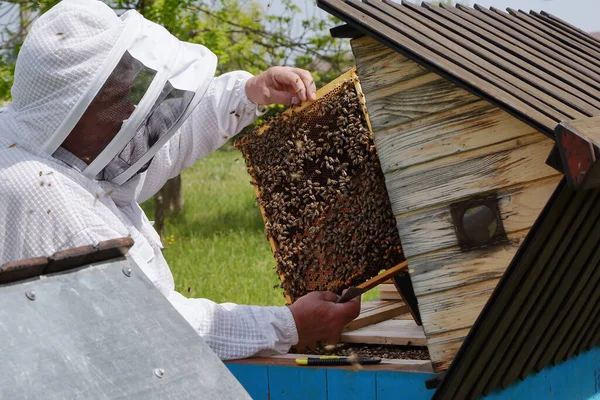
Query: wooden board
{"type": "Point", "coordinates": [464, 175]}
{"type": "Point", "coordinates": [381, 66]}
{"type": "Point", "coordinates": [387, 291]}
{"type": "Point", "coordinates": [393, 331]}
{"type": "Point", "coordinates": [424, 95]}
{"type": "Point", "coordinates": [444, 346]}
{"type": "Point", "coordinates": [373, 314]}
{"type": "Point", "coordinates": [452, 268]}
{"type": "Point", "coordinates": [454, 131]}
{"type": "Point", "coordinates": [500, 40]}
{"type": "Point", "coordinates": [456, 309]}
{"type": "Point", "coordinates": [501, 65]}
{"type": "Point", "coordinates": [431, 229]}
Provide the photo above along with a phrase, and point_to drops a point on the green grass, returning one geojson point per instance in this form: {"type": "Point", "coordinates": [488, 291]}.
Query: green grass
{"type": "Point", "coordinates": [216, 247]}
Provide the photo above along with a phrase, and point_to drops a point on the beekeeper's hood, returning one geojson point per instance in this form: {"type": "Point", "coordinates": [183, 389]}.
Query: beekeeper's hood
{"type": "Point", "coordinates": [131, 75]}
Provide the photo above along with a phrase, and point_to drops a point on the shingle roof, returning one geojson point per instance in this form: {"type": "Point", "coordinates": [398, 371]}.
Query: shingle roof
{"type": "Point", "coordinates": [534, 65]}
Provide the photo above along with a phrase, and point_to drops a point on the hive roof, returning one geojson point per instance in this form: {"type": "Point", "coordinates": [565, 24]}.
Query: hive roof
{"type": "Point", "coordinates": [537, 67]}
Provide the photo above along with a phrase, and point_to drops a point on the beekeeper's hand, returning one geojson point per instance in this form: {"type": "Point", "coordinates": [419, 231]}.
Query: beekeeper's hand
{"type": "Point", "coordinates": [319, 320]}
{"type": "Point", "coordinates": [281, 85]}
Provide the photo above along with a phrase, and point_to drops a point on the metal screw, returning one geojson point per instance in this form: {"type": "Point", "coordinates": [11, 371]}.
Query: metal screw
{"type": "Point", "coordinates": [127, 272]}
{"type": "Point", "coordinates": [30, 295]}
{"type": "Point", "coordinates": [159, 372]}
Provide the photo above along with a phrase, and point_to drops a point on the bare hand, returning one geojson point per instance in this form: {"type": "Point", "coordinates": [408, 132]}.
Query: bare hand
{"type": "Point", "coordinates": [281, 85]}
{"type": "Point", "coordinates": [319, 319]}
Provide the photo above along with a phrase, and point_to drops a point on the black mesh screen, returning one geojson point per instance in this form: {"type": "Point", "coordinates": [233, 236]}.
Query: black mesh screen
{"type": "Point", "coordinates": [168, 109]}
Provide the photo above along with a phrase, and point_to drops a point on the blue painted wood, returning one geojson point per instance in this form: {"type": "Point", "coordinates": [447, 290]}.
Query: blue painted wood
{"type": "Point", "coordinates": [576, 379]}
{"type": "Point", "coordinates": [343, 384]}
{"type": "Point", "coordinates": [402, 385]}
{"type": "Point", "coordinates": [297, 383]}
{"type": "Point", "coordinates": [254, 378]}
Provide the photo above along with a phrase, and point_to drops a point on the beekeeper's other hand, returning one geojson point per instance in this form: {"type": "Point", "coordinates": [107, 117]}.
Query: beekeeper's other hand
{"type": "Point", "coordinates": [281, 85]}
{"type": "Point", "coordinates": [320, 320]}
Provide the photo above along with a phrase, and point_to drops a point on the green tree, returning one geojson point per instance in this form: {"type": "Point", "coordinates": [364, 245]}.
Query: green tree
{"type": "Point", "coordinates": [243, 34]}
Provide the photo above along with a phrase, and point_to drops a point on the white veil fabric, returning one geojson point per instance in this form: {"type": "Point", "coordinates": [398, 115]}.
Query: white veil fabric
{"type": "Point", "coordinates": [162, 79]}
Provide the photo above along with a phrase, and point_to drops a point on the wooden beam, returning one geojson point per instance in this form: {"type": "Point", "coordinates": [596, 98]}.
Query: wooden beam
{"type": "Point", "coordinates": [393, 331]}
{"type": "Point", "coordinates": [387, 291]}
{"type": "Point", "coordinates": [422, 96]}
{"type": "Point", "coordinates": [379, 313]}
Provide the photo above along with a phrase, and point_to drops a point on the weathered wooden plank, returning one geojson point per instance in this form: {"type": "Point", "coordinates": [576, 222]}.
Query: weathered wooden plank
{"type": "Point", "coordinates": [387, 291]}
{"type": "Point", "coordinates": [563, 35]}
{"type": "Point", "coordinates": [444, 346]}
{"type": "Point", "coordinates": [454, 131]}
{"type": "Point", "coordinates": [393, 331]}
{"type": "Point", "coordinates": [467, 174]}
{"type": "Point", "coordinates": [524, 326]}
{"type": "Point", "coordinates": [568, 27]}
{"type": "Point", "coordinates": [413, 99]}
{"type": "Point", "coordinates": [454, 309]}
{"type": "Point", "coordinates": [432, 229]}
{"type": "Point", "coordinates": [374, 315]}
{"type": "Point", "coordinates": [379, 66]}
{"type": "Point", "coordinates": [463, 366]}
{"type": "Point", "coordinates": [451, 268]}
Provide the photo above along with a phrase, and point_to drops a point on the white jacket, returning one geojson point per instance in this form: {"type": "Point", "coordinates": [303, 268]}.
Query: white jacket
{"type": "Point", "coordinates": [47, 205]}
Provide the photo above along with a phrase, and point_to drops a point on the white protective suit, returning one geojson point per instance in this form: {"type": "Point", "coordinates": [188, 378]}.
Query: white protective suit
{"type": "Point", "coordinates": [51, 200]}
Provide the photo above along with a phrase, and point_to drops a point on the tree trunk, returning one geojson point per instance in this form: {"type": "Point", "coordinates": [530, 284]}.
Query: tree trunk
{"type": "Point", "coordinates": [168, 201]}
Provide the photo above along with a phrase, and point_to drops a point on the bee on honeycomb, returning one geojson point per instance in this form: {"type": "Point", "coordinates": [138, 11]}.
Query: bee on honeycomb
{"type": "Point", "coordinates": [322, 194]}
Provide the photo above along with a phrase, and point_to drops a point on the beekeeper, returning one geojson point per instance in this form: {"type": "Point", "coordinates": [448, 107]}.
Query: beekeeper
{"type": "Point", "coordinates": [105, 110]}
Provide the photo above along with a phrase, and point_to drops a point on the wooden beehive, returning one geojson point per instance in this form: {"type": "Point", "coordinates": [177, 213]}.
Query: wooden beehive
{"type": "Point", "coordinates": [477, 114]}
{"type": "Point", "coordinates": [440, 145]}
{"type": "Point", "coordinates": [463, 105]}
{"type": "Point", "coordinates": [321, 192]}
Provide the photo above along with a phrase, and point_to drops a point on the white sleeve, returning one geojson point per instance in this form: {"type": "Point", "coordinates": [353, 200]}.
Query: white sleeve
{"type": "Point", "coordinates": [221, 114]}
{"type": "Point", "coordinates": [236, 331]}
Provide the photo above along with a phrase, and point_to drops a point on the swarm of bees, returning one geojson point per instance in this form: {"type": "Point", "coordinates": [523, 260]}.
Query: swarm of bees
{"type": "Point", "coordinates": [322, 193]}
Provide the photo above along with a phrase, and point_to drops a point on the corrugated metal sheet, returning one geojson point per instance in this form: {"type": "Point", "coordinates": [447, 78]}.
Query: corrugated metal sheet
{"type": "Point", "coordinates": [535, 66]}
{"type": "Point", "coordinates": [102, 331]}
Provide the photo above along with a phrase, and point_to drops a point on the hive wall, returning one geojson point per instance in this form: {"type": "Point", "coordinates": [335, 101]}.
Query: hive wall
{"type": "Point", "coordinates": [438, 145]}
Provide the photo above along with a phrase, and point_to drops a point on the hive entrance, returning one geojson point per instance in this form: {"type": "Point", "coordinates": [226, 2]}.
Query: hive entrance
{"type": "Point", "coordinates": [322, 193]}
